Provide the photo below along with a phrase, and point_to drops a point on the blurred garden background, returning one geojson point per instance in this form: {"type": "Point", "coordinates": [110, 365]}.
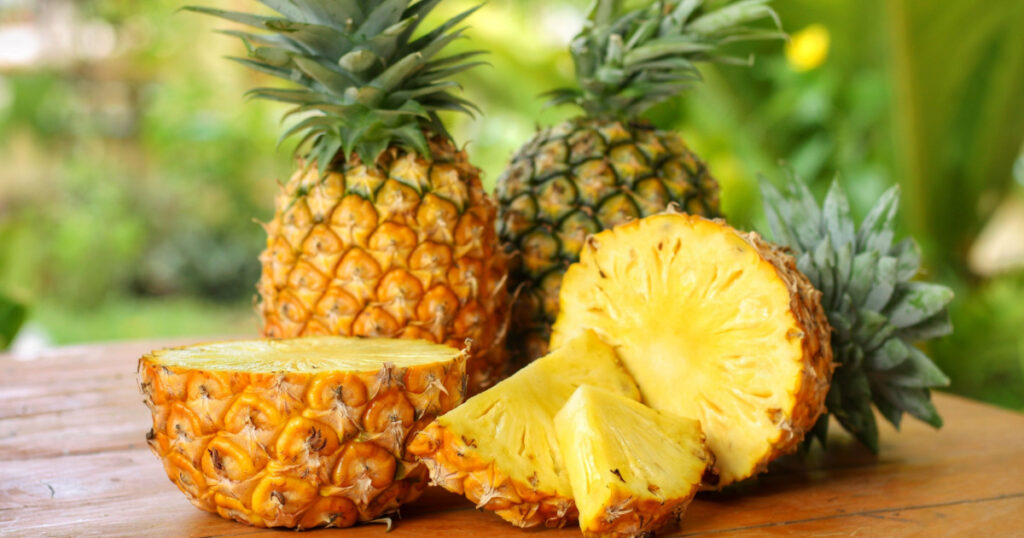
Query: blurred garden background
{"type": "Point", "coordinates": [132, 173]}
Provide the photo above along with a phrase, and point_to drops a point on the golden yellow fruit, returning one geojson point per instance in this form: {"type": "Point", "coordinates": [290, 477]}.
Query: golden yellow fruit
{"type": "Point", "coordinates": [300, 433]}
{"type": "Point", "coordinates": [500, 449]}
{"type": "Point", "coordinates": [712, 324]}
{"type": "Point", "coordinates": [402, 248]}
{"type": "Point", "coordinates": [633, 470]}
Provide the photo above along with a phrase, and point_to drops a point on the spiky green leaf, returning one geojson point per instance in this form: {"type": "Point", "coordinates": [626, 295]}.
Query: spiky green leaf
{"type": "Point", "coordinates": [876, 311]}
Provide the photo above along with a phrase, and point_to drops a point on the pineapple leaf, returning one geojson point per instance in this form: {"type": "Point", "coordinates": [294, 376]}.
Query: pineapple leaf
{"type": "Point", "coordinates": [248, 19]}
{"type": "Point", "coordinates": [914, 302]}
{"type": "Point", "coordinates": [357, 64]}
{"type": "Point", "coordinates": [852, 404]}
{"type": "Point", "coordinates": [877, 313]}
{"type": "Point", "coordinates": [386, 14]}
{"type": "Point", "coordinates": [933, 327]}
{"type": "Point", "coordinates": [917, 372]}
{"type": "Point", "coordinates": [628, 62]}
{"type": "Point", "coordinates": [836, 213]}
{"type": "Point", "coordinates": [890, 355]}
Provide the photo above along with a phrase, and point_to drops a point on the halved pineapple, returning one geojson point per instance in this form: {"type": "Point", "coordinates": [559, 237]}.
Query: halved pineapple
{"type": "Point", "coordinates": [712, 324]}
{"type": "Point", "coordinates": [633, 470]}
{"type": "Point", "coordinates": [302, 433]}
{"type": "Point", "coordinates": [499, 449]}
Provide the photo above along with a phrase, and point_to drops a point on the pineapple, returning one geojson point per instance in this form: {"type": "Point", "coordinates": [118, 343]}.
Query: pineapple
{"type": "Point", "coordinates": [384, 230]}
{"type": "Point", "coordinates": [633, 469]}
{"type": "Point", "coordinates": [878, 314]}
{"type": "Point", "coordinates": [712, 324]}
{"type": "Point", "coordinates": [300, 433]}
{"type": "Point", "coordinates": [500, 449]}
{"type": "Point", "coordinates": [609, 166]}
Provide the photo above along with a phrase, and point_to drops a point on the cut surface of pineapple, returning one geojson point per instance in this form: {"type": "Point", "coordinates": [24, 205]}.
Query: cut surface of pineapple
{"type": "Point", "coordinates": [633, 469]}
{"type": "Point", "coordinates": [500, 449]}
{"type": "Point", "coordinates": [305, 355]}
{"type": "Point", "coordinates": [299, 433]}
{"type": "Point", "coordinates": [713, 324]}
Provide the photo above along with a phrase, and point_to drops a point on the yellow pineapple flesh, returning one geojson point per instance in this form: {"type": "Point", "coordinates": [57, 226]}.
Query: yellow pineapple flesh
{"type": "Point", "coordinates": [500, 449]}
{"type": "Point", "coordinates": [712, 324]}
{"type": "Point", "coordinates": [633, 470]}
{"type": "Point", "coordinates": [299, 433]}
{"type": "Point", "coordinates": [401, 248]}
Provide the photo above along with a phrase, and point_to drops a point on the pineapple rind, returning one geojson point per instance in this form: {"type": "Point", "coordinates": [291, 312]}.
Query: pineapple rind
{"type": "Point", "coordinates": [633, 469]}
{"type": "Point", "coordinates": [500, 448]}
{"type": "Point", "coordinates": [793, 378]}
{"type": "Point", "coordinates": [312, 447]}
{"type": "Point", "coordinates": [576, 179]}
{"type": "Point", "coordinates": [403, 248]}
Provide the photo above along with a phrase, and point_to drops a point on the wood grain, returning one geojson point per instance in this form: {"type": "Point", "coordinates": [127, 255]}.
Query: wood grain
{"type": "Point", "coordinates": [73, 461]}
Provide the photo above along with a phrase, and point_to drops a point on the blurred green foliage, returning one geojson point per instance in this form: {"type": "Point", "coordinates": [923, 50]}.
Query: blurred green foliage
{"type": "Point", "coordinates": [12, 316]}
{"type": "Point", "coordinates": [132, 180]}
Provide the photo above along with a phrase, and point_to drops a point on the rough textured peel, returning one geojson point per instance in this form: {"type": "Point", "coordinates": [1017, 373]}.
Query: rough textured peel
{"type": "Point", "coordinates": [402, 248]}
{"type": "Point", "coordinates": [633, 470]}
{"type": "Point", "coordinates": [299, 433]}
{"type": "Point", "coordinates": [713, 324]}
{"type": "Point", "coordinates": [500, 450]}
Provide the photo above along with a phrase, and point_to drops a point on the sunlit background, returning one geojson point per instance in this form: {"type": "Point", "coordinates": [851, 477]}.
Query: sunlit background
{"type": "Point", "coordinates": [132, 173]}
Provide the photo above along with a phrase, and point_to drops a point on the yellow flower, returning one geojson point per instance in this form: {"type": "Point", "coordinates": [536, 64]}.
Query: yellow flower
{"type": "Point", "coordinates": [808, 48]}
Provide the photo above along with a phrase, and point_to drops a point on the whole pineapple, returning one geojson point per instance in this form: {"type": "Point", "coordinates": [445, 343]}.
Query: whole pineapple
{"type": "Point", "coordinates": [609, 166]}
{"type": "Point", "coordinates": [384, 230]}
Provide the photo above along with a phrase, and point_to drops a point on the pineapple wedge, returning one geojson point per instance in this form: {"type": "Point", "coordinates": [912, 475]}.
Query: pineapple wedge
{"type": "Point", "coordinates": [712, 324]}
{"type": "Point", "coordinates": [500, 450]}
{"type": "Point", "coordinates": [633, 470]}
{"type": "Point", "coordinates": [299, 433]}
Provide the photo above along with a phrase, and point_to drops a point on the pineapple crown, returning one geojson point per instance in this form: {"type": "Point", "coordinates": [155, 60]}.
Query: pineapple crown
{"type": "Point", "coordinates": [627, 63]}
{"type": "Point", "coordinates": [876, 311]}
{"type": "Point", "coordinates": [364, 83]}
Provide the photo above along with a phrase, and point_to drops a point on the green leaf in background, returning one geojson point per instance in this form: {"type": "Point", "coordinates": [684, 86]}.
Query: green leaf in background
{"type": "Point", "coordinates": [957, 75]}
{"type": "Point", "coordinates": [12, 316]}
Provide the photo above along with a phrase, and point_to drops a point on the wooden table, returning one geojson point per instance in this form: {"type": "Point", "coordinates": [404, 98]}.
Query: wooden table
{"type": "Point", "coordinates": [73, 461]}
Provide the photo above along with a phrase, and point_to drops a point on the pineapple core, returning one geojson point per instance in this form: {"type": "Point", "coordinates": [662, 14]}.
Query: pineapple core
{"type": "Point", "coordinates": [706, 320]}
{"type": "Point", "coordinates": [305, 355]}
{"type": "Point", "coordinates": [632, 469]}
{"type": "Point", "coordinates": [499, 448]}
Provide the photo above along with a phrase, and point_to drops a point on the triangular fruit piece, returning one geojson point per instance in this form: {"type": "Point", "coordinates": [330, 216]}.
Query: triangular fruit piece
{"type": "Point", "coordinates": [633, 470]}
{"type": "Point", "coordinates": [499, 449]}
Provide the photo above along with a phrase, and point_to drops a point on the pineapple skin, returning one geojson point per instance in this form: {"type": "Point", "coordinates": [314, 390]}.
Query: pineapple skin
{"type": "Point", "coordinates": [453, 466]}
{"type": "Point", "coordinates": [405, 248]}
{"type": "Point", "coordinates": [296, 450]}
{"type": "Point", "coordinates": [805, 304]}
{"type": "Point", "coordinates": [576, 179]}
{"type": "Point", "coordinates": [809, 315]}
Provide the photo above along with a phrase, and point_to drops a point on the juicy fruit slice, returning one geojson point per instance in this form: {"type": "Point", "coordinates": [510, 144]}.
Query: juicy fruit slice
{"type": "Point", "coordinates": [499, 449]}
{"type": "Point", "coordinates": [301, 433]}
{"type": "Point", "coordinates": [713, 324]}
{"type": "Point", "coordinates": [633, 469]}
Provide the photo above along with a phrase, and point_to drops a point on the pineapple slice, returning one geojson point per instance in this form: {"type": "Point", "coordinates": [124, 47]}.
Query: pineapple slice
{"type": "Point", "coordinates": [633, 469]}
{"type": "Point", "coordinates": [499, 449]}
{"type": "Point", "coordinates": [300, 433]}
{"type": "Point", "coordinates": [712, 324]}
